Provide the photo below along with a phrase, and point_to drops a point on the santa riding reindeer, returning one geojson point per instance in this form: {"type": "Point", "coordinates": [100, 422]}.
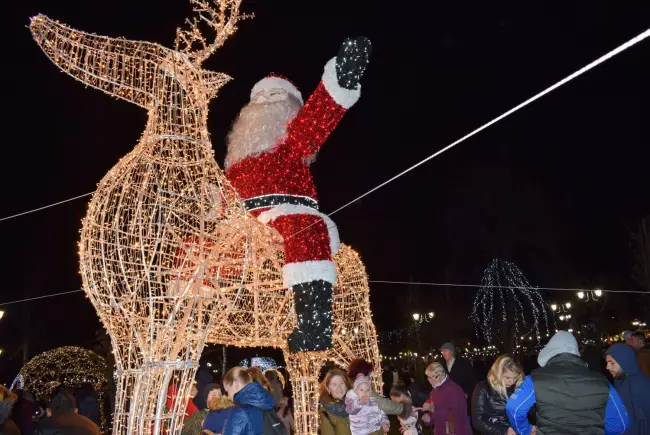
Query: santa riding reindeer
{"type": "Point", "coordinates": [270, 149]}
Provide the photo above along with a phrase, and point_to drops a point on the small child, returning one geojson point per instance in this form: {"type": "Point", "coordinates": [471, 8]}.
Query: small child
{"type": "Point", "coordinates": [365, 416]}
{"type": "Point", "coordinates": [409, 425]}
{"type": "Point", "coordinates": [219, 406]}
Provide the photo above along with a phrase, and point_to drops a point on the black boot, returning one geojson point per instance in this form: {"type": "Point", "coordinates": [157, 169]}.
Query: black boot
{"type": "Point", "coordinates": [313, 302]}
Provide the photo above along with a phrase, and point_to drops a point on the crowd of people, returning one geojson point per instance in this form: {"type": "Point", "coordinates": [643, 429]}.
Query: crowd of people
{"type": "Point", "coordinates": [564, 395]}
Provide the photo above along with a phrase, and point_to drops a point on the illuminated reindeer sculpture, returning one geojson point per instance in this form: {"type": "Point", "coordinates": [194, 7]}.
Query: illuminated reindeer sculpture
{"type": "Point", "coordinates": [169, 256]}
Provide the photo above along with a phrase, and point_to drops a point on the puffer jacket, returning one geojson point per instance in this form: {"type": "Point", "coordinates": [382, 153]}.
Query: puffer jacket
{"type": "Point", "coordinates": [247, 416]}
{"type": "Point", "coordinates": [216, 418]}
{"type": "Point", "coordinates": [489, 410]}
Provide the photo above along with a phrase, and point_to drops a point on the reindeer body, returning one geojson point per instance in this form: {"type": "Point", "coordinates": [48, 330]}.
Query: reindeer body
{"type": "Point", "coordinates": [169, 256]}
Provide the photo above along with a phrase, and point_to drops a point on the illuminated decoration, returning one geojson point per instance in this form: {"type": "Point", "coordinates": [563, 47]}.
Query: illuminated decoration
{"type": "Point", "coordinates": [506, 303]}
{"type": "Point", "coordinates": [67, 366]}
{"type": "Point", "coordinates": [276, 184]}
{"type": "Point", "coordinates": [261, 313]}
{"type": "Point", "coordinates": [18, 382]}
{"type": "Point", "coordinates": [168, 190]}
{"type": "Point", "coordinates": [263, 362]}
{"type": "Point", "coordinates": [169, 255]}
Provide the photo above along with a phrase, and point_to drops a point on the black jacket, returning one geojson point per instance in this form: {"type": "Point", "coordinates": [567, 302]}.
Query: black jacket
{"type": "Point", "coordinates": [571, 399]}
{"type": "Point", "coordinates": [463, 374]}
{"type": "Point", "coordinates": [489, 410]}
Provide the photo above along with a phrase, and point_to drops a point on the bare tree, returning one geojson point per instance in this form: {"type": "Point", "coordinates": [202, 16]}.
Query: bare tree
{"type": "Point", "coordinates": [641, 248]}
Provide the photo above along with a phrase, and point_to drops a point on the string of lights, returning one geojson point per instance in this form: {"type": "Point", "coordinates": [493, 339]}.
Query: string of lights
{"type": "Point", "coordinates": [432, 284]}
{"type": "Point", "coordinates": [642, 36]}
{"type": "Point", "coordinates": [6, 218]}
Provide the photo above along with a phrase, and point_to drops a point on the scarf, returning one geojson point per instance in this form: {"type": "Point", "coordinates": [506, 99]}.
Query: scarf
{"type": "Point", "coordinates": [335, 408]}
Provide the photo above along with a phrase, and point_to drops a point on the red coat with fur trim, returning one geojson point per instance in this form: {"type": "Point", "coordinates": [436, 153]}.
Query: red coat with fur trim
{"type": "Point", "coordinates": [283, 170]}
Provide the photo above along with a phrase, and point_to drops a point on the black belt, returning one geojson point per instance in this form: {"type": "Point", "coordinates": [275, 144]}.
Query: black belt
{"type": "Point", "coordinates": [266, 201]}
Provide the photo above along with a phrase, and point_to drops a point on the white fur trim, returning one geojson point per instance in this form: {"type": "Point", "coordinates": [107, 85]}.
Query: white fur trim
{"type": "Point", "coordinates": [344, 97]}
{"type": "Point", "coordinates": [289, 209]}
{"type": "Point", "coordinates": [306, 271]}
{"type": "Point", "coordinates": [276, 83]}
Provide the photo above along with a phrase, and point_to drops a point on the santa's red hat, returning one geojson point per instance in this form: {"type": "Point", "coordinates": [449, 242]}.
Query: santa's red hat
{"type": "Point", "coordinates": [275, 81]}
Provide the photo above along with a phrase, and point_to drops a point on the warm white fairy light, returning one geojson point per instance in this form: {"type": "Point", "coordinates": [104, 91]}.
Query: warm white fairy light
{"type": "Point", "coordinates": [169, 255]}
{"type": "Point", "coordinates": [260, 313]}
{"type": "Point", "coordinates": [167, 193]}
{"type": "Point", "coordinates": [507, 300]}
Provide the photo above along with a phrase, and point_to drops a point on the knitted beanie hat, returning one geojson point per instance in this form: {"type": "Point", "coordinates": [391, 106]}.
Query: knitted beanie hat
{"type": "Point", "coordinates": [361, 379]}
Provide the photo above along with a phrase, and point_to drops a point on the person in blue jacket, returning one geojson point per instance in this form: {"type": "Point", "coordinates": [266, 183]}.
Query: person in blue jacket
{"type": "Point", "coordinates": [251, 401]}
{"type": "Point", "coordinates": [632, 385]}
{"type": "Point", "coordinates": [569, 398]}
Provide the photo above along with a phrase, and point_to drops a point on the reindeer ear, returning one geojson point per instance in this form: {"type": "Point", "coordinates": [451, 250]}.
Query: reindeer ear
{"type": "Point", "coordinates": [213, 81]}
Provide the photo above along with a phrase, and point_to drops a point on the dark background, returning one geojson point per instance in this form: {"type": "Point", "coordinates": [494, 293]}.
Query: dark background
{"type": "Point", "coordinates": [556, 188]}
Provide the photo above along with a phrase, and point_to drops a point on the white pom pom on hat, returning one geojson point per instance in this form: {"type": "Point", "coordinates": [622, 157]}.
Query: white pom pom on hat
{"type": "Point", "coordinates": [274, 81]}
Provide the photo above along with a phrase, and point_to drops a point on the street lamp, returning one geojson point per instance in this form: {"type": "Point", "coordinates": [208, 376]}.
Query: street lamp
{"type": "Point", "coordinates": [2, 314]}
{"type": "Point", "coordinates": [581, 295]}
{"type": "Point", "coordinates": [554, 307]}
{"type": "Point", "coordinates": [419, 318]}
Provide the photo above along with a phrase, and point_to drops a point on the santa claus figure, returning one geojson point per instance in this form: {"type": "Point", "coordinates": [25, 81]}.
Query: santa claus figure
{"type": "Point", "coordinates": [270, 148]}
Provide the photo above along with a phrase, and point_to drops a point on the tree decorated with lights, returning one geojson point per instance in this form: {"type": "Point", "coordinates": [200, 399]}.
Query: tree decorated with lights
{"type": "Point", "coordinates": [509, 308]}
{"type": "Point", "coordinates": [67, 366]}
{"type": "Point", "coordinates": [170, 256]}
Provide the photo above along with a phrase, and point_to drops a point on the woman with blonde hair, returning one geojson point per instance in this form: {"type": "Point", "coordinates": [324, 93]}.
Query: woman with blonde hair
{"type": "Point", "coordinates": [490, 397]}
{"type": "Point", "coordinates": [253, 403]}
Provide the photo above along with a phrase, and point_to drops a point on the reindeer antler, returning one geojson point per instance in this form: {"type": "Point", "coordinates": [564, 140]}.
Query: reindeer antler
{"type": "Point", "coordinates": [220, 15]}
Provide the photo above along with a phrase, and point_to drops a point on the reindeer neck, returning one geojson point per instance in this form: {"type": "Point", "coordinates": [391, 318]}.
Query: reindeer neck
{"type": "Point", "coordinates": [178, 129]}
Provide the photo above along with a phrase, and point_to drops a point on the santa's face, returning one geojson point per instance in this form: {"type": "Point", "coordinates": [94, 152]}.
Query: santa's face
{"type": "Point", "coordinates": [261, 124]}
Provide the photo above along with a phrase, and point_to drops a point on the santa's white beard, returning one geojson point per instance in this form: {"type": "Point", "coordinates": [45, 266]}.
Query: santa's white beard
{"type": "Point", "coordinates": [258, 128]}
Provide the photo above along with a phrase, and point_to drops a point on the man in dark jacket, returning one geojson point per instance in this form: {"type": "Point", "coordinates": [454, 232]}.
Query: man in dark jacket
{"type": "Point", "coordinates": [63, 419]}
{"type": "Point", "coordinates": [460, 371]}
{"type": "Point", "coordinates": [632, 385]}
{"type": "Point", "coordinates": [570, 398]}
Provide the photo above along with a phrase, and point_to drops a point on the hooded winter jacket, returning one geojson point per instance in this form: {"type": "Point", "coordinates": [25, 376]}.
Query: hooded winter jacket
{"type": "Point", "coordinates": [570, 398]}
{"type": "Point", "coordinates": [634, 389]}
{"type": "Point", "coordinates": [246, 417]}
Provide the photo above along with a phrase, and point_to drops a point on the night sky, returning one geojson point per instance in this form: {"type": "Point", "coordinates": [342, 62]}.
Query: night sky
{"type": "Point", "coordinates": [556, 188]}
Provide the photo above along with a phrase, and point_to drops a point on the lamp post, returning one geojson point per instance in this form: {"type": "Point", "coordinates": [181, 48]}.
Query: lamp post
{"type": "Point", "coordinates": [418, 319]}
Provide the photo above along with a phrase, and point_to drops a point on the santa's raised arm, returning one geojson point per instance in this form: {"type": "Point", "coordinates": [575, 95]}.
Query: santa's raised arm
{"type": "Point", "coordinates": [270, 148]}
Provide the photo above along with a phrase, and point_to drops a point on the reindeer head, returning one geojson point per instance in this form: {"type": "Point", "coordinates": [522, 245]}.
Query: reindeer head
{"type": "Point", "coordinates": [143, 72]}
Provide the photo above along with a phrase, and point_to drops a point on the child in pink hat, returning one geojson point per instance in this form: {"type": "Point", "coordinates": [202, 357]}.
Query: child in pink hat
{"type": "Point", "coordinates": [365, 416]}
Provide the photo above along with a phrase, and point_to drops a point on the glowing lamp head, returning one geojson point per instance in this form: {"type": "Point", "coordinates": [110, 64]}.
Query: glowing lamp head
{"type": "Point", "coordinates": [554, 307]}
{"type": "Point", "coordinates": [581, 295]}
{"type": "Point", "coordinates": [598, 293]}
{"type": "Point", "coordinates": [416, 316]}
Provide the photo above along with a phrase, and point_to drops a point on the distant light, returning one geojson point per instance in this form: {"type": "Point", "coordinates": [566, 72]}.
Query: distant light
{"type": "Point", "coordinates": [416, 316]}
{"type": "Point", "coordinates": [554, 307]}
{"type": "Point", "coordinates": [209, 364]}
{"type": "Point", "coordinates": [561, 317]}
{"type": "Point", "coordinates": [568, 305]}
{"type": "Point", "coordinates": [2, 314]}
{"type": "Point", "coordinates": [598, 293]}
{"type": "Point", "coordinates": [432, 314]}
{"type": "Point", "coordinates": [581, 295]}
